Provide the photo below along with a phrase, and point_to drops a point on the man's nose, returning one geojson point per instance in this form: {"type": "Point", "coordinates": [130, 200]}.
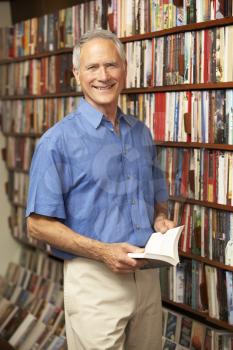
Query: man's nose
{"type": "Point", "coordinates": [103, 73]}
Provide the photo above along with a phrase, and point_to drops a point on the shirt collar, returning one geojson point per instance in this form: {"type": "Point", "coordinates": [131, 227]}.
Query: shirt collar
{"type": "Point", "coordinates": [92, 115]}
{"type": "Point", "coordinates": [131, 121]}
{"type": "Point", "coordinates": [95, 117]}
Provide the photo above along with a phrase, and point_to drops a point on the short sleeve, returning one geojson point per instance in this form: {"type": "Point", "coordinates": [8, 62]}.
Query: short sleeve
{"type": "Point", "coordinates": [49, 180]}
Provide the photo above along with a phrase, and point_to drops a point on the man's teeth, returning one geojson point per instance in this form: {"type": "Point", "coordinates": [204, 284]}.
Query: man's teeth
{"type": "Point", "coordinates": [103, 88]}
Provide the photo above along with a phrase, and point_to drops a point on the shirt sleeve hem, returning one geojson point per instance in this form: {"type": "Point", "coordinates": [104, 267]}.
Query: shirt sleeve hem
{"type": "Point", "coordinates": [46, 211]}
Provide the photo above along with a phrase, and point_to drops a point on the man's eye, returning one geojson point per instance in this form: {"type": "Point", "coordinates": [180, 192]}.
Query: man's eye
{"type": "Point", "coordinates": [91, 67]}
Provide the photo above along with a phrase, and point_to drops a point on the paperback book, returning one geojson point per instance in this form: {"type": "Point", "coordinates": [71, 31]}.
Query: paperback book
{"type": "Point", "coordinates": [162, 247]}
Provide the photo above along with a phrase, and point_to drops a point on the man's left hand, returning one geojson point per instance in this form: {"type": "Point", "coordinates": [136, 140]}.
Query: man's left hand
{"type": "Point", "coordinates": [162, 224]}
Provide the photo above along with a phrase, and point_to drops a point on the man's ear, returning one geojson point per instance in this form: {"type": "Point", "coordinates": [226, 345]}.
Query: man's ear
{"type": "Point", "coordinates": [76, 75]}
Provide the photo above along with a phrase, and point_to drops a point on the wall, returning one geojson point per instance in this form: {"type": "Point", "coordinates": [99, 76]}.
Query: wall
{"type": "Point", "coordinates": [5, 14]}
{"type": "Point", "coordinates": [9, 248]}
{"type": "Point", "coordinates": [24, 9]}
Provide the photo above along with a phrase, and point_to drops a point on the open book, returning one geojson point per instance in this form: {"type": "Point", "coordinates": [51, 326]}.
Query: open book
{"type": "Point", "coordinates": [162, 247]}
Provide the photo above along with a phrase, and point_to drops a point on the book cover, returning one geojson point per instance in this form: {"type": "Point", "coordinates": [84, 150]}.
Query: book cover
{"type": "Point", "coordinates": [171, 325]}
{"type": "Point", "coordinates": [185, 332]}
{"type": "Point", "coordinates": [198, 336]}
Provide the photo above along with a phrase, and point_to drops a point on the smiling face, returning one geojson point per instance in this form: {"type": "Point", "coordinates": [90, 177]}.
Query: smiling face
{"type": "Point", "coordinates": [101, 74]}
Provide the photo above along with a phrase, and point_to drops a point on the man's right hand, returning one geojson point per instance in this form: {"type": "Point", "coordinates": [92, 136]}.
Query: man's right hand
{"type": "Point", "coordinates": [115, 256]}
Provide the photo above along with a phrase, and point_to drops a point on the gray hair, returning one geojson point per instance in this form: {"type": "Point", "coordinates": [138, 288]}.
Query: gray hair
{"type": "Point", "coordinates": [93, 34]}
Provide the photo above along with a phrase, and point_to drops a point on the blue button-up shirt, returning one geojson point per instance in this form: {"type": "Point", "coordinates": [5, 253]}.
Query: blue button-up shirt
{"type": "Point", "coordinates": [101, 184]}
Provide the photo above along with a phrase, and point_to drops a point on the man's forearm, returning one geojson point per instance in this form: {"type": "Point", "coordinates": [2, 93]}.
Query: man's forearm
{"type": "Point", "coordinates": [114, 255]}
{"type": "Point", "coordinates": [60, 236]}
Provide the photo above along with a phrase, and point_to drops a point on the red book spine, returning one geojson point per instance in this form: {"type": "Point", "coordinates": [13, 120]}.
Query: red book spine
{"type": "Point", "coordinates": [185, 174]}
{"type": "Point", "coordinates": [206, 56]}
{"type": "Point", "coordinates": [189, 97]}
{"type": "Point", "coordinates": [163, 116]}
{"type": "Point", "coordinates": [215, 171]}
{"type": "Point", "coordinates": [206, 176]}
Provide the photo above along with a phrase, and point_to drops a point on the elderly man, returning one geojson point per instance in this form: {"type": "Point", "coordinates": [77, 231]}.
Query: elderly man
{"type": "Point", "coordinates": [95, 195]}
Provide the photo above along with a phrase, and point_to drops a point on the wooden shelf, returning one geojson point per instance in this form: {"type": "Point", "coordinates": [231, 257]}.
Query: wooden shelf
{"type": "Point", "coordinates": [146, 90]}
{"type": "Point", "coordinates": [4, 345]}
{"type": "Point", "coordinates": [16, 134]}
{"type": "Point", "coordinates": [36, 56]}
{"type": "Point", "coordinates": [17, 170]}
{"type": "Point", "coordinates": [201, 314]}
{"type": "Point", "coordinates": [206, 261]}
{"type": "Point", "coordinates": [202, 203]}
{"type": "Point", "coordinates": [33, 97]}
{"type": "Point", "coordinates": [215, 146]}
{"type": "Point", "coordinates": [179, 29]}
{"type": "Point", "coordinates": [20, 205]}
{"type": "Point", "coordinates": [180, 87]}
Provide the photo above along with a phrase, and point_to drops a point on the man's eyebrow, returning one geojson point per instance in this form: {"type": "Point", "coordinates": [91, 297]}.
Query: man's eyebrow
{"type": "Point", "coordinates": [97, 63]}
{"type": "Point", "coordinates": [91, 64]}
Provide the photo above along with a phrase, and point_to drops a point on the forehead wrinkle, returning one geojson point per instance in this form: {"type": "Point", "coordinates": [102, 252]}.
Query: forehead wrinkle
{"type": "Point", "coordinates": [89, 50]}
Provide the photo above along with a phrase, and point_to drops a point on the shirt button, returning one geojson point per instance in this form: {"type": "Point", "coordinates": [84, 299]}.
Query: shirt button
{"type": "Point", "coordinates": [128, 177]}
{"type": "Point", "coordinates": [133, 202]}
{"type": "Point", "coordinates": [124, 152]}
{"type": "Point", "coordinates": [137, 227]}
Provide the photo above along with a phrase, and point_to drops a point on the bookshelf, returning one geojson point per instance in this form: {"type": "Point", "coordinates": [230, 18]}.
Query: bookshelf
{"type": "Point", "coordinates": [32, 303]}
{"type": "Point", "coordinates": [131, 92]}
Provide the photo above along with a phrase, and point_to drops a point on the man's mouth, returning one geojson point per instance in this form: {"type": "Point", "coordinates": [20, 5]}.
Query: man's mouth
{"type": "Point", "coordinates": [102, 88]}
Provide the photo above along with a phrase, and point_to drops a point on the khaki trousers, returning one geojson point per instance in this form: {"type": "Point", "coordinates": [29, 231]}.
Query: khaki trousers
{"type": "Point", "coordinates": [106, 310]}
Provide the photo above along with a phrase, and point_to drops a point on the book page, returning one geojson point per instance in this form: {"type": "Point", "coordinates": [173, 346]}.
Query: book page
{"type": "Point", "coordinates": [160, 244]}
{"type": "Point", "coordinates": [162, 247]}
{"type": "Point", "coordinates": [163, 244]}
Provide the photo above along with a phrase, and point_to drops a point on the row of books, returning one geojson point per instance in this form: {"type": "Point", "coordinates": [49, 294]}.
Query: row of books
{"type": "Point", "coordinates": [34, 116]}
{"type": "Point", "coordinates": [51, 32]}
{"type": "Point", "coordinates": [19, 152]}
{"type": "Point", "coordinates": [198, 173]}
{"type": "Point", "coordinates": [186, 116]}
{"type": "Point", "coordinates": [17, 187]}
{"type": "Point", "coordinates": [195, 173]}
{"type": "Point", "coordinates": [51, 74]}
{"type": "Point", "coordinates": [185, 58]}
{"type": "Point", "coordinates": [127, 18]}
{"type": "Point", "coordinates": [193, 116]}
{"type": "Point", "coordinates": [207, 231]}
{"type": "Point", "coordinates": [40, 264]}
{"type": "Point", "coordinates": [190, 57]}
{"type": "Point", "coordinates": [64, 27]}
{"type": "Point", "coordinates": [32, 315]}
{"type": "Point", "coordinates": [202, 287]}
{"type": "Point", "coordinates": [18, 227]}
{"type": "Point", "coordinates": [182, 333]}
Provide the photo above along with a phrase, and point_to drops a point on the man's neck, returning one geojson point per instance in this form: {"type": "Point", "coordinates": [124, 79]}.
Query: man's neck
{"type": "Point", "coordinates": [110, 112]}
